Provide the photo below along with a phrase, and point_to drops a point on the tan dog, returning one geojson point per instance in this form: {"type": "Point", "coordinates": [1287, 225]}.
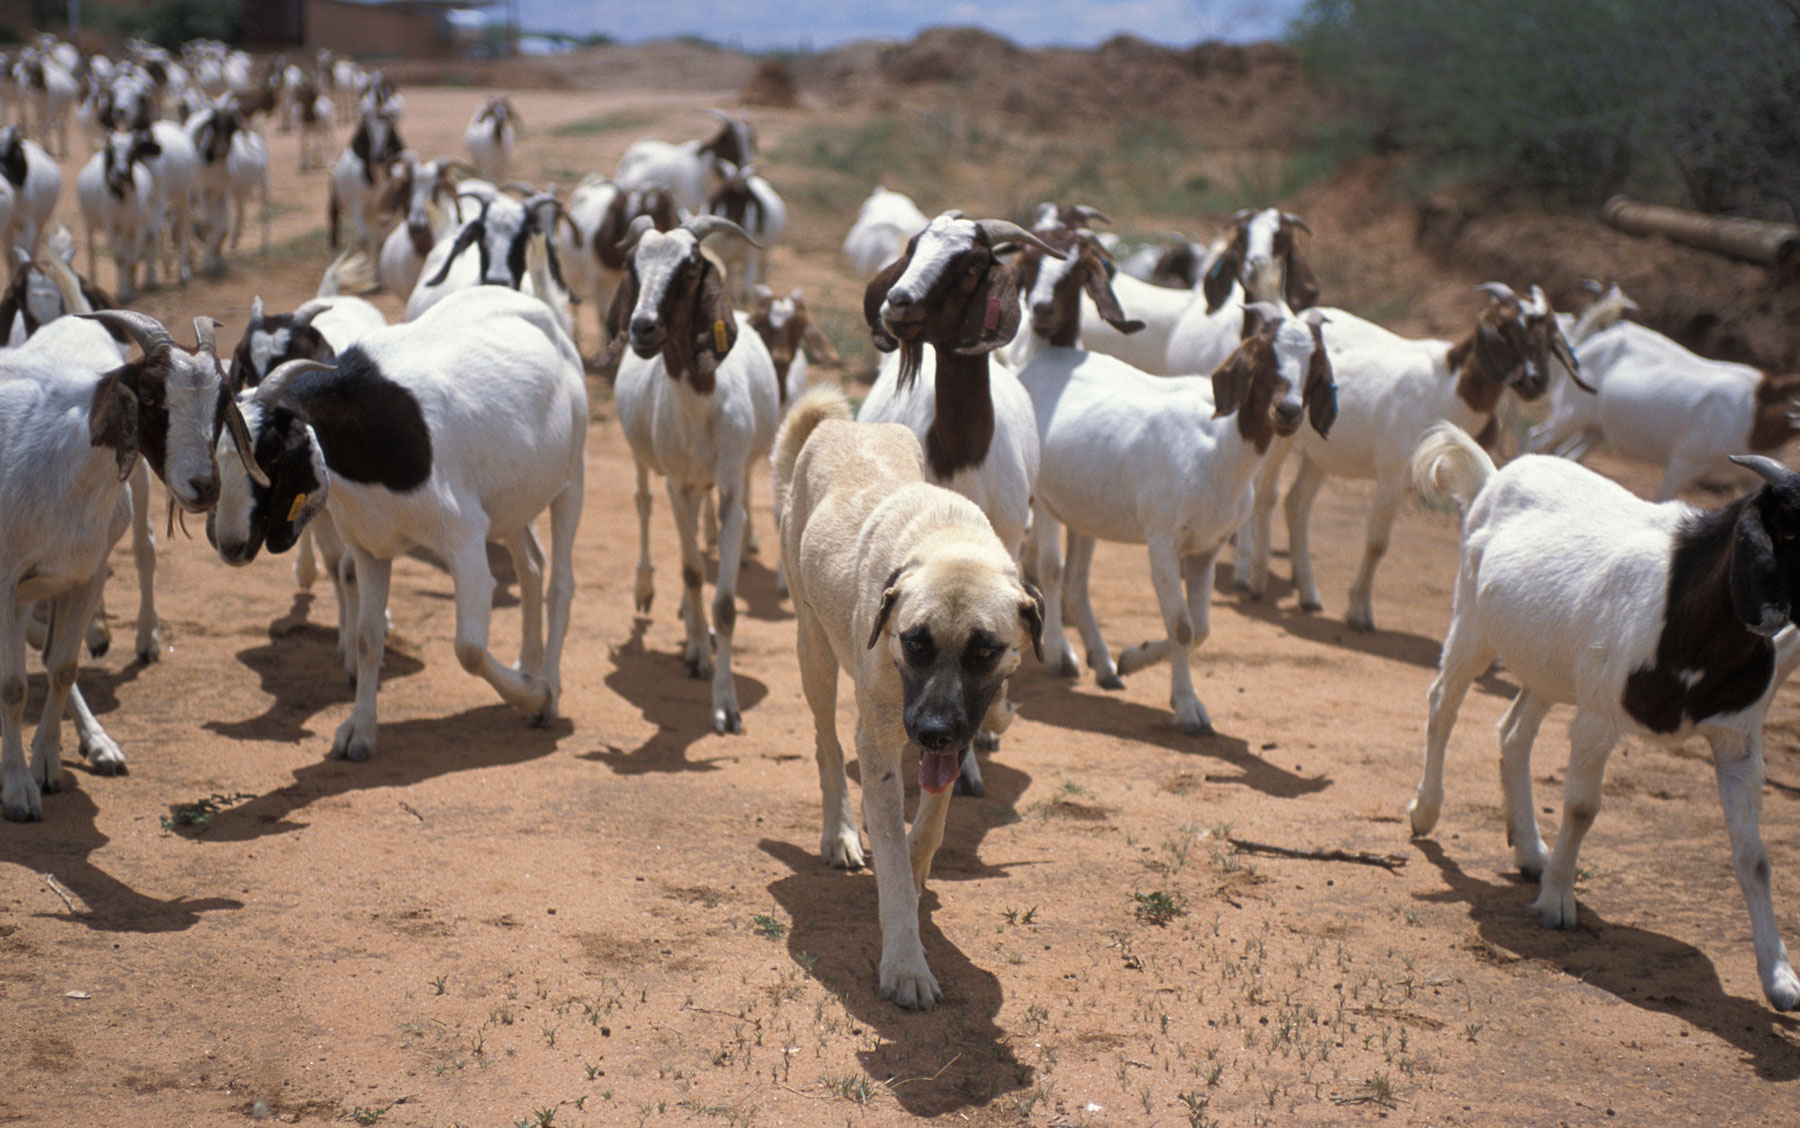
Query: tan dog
{"type": "Point", "coordinates": [905, 586]}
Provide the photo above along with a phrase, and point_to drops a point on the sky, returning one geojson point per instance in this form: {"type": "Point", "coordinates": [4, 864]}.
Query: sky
{"type": "Point", "coordinates": [766, 24]}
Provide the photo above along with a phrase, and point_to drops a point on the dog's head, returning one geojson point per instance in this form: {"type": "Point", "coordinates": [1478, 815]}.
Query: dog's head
{"type": "Point", "coordinates": [955, 622]}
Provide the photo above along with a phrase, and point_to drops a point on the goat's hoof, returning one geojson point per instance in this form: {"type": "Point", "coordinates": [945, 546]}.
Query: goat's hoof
{"type": "Point", "coordinates": [1192, 726]}
{"type": "Point", "coordinates": [727, 720]}
{"type": "Point", "coordinates": [700, 669]}
{"type": "Point", "coordinates": [1424, 816]}
{"type": "Point", "coordinates": [97, 647]}
{"type": "Point", "coordinates": [104, 757]}
{"type": "Point", "coordinates": [1555, 908]}
{"type": "Point", "coordinates": [1311, 605]}
{"type": "Point", "coordinates": [843, 850]}
{"type": "Point", "coordinates": [22, 803]}
{"type": "Point", "coordinates": [1110, 681]}
{"type": "Point", "coordinates": [985, 741]}
{"type": "Point", "coordinates": [1064, 665]}
{"type": "Point", "coordinates": [968, 781]}
{"type": "Point", "coordinates": [350, 745]}
{"type": "Point", "coordinates": [148, 652]}
{"type": "Point", "coordinates": [1360, 622]}
{"type": "Point", "coordinates": [1783, 989]}
{"type": "Point", "coordinates": [643, 604]}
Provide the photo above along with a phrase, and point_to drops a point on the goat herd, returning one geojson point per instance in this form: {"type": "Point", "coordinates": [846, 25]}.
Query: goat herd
{"type": "Point", "coordinates": [1062, 400]}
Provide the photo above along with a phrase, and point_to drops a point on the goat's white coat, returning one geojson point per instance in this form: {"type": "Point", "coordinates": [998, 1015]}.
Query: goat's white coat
{"type": "Point", "coordinates": [884, 224]}
{"type": "Point", "coordinates": [1564, 576]}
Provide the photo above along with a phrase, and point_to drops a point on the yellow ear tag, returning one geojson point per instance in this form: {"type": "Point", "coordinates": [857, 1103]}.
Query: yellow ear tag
{"type": "Point", "coordinates": [720, 343]}
{"type": "Point", "coordinates": [294, 509]}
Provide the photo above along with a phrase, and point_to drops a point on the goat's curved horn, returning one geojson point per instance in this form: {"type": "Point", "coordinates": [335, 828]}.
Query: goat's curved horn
{"type": "Point", "coordinates": [303, 317]}
{"type": "Point", "coordinates": [1291, 218]}
{"type": "Point", "coordinates": [1000, 231]}
{"type": "Point", "coordinates": [1591, 285]}
{"type": "Point", "coordinates": [451, 164]}
{"type": "Point", "coordinates": [268, 393]}
{"type": "Point", "coordinates": [519, 188]}
{"type": "Point", "coordinates": [706, 226]}
{"type": "Point", "coordinates": [1090, 214]}
{"type": "Point", "coordinates": [256, 313]}
{"type": "Point", "coordinates": [473, 230]}
{"type": "Point", "coordinates": [204, 340]}
{"type": "Point", "coordinates": [1241, 215]}
{"type": "Point", "coordinates": [147, 331]}
{"type": "Point", "coordinates": [21, 256]}
{"type": "Point", "coordinates": [1499, 291]}
{"type": "Point", "coordinates": [639, 225]}
{"type": "Point", "coordinates": [721, 115]}
{"type": "Point", "coordinates": [1764, 467]}
{"type": "Point", "coordinates": [1538, 300]}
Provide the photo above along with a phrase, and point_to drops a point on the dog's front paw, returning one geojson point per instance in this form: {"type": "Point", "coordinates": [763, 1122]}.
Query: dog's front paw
{"type": "Point", "coordinates": [910, 983]}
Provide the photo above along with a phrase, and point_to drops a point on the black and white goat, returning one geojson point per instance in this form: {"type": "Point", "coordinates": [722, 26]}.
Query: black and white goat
{"type": "Point", "coordinates": [697, 402]}
{"type": "Point", "coordinates": [34, 181]}
{"type": "Point", "coordinates": [684, 170]}
{"type": "Point", "coordinates": [513, 248]}
{"type": "Point", "coordinates": [359, 177]}
{"type": "Point", "coordinates": [491, 135]}
{"type": "Point", "coordinates": [1259, 262]}
{"type": "Point", "coordinates": [424, 195]}
{"type": "Point", "coordinates": [404, 452]}
{"type": "Point", "coordinates": [1653, 620]}
{"type": "Point", "coordinates": [752, 203]}
{"type": "Point", "coordinates": [71, 434]}
{"type": "Point", "coordinates": [588, 246]}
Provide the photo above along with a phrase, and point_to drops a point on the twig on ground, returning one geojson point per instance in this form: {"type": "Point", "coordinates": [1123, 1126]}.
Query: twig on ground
{"type": "Point", "coordinates": [63, 891]}
{"type": "Point", "coordinates": [1389, 862]}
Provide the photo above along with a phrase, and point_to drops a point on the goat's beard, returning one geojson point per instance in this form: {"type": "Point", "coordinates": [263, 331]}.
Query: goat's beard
{"type": "Point", "coordinates": [912, 358]}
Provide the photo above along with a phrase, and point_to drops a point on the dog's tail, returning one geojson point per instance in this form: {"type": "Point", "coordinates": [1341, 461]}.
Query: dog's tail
{"type": "Point", "coordinates": [825, 401]}
{"type": "Point", "coordinates": [1448, 463]}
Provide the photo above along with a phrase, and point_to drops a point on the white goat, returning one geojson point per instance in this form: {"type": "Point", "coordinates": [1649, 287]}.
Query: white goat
{"type": "Point", "coordinates": [50, 93]}
{"type": "Point", "coordinates": [1657, 402]}
{"type": "Point", "coordinates": [425, 196]}
{"type": "Point", "coordinates": [1391, 389]}
{"type": "Point", "coordinates": [36, 182]}
{"type": "Point", "coordinates": [1260, 261]}
{"type": "Point", "coordinates": [697, 402]}
{"type": "Point", "coordinates": [600, 214]}
{"type": "Point", "coordinates": [970, 413]}
{"type": "Point", "coordinates": [885, 223]}
{"type": "Point", "coordinates": [70, 435]}
{"type": "Point", "coordinates": [683, 170]}
{"type": "Point", "coordinates": [1652, 620]}
{"type": "Point", "coordinates": [1166, 462]}
{"type": "Point", "coordinates": [490, 137]}
{"type": "Point", "coordinates": [405, 451]}
{"type": "Point", "coordinates": [175, 177]}
{"type": "Point", "coordinates": [752, 203]}
{"type": "Point", "coordinates": [117, 194]}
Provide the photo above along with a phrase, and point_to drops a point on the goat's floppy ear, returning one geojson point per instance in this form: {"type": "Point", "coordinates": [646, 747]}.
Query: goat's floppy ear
{"type": "Point", "coordinates": [240, 438]}
{"type": "Point", "coordinates": [624, 300]}
{"type": "Point", "coordinates": [1098, 284]}
{"type": "Point", "coordinates": [876, 293]}
{"type": "Point", "coordinates": [1231, 380]}
{"type": "Point", "coordinates": [1221, 276]}
{"type": "Point", "coordinates": [1757, 593]}
{"type": "Point", "coordinates": [1031, 610]}
{"type": "Point", "coordinates": [1559, 348]}
{"type": "Point", "coordinates": [890, 595]}
{"type": "Point", "coordinates": [1025, 268]}
{"type": "Point", "coordinates": [113, 418]}
{"type": "Point", "coordinates": [991, 316]}
{"type": "Point", "coordinates": [1494, 354]}
{"type": "Point", "coordinates": [817, 343]}
{"type": "Point", "coordinates": [1320, 392]}
{"type": "Point", "coordinates": [1300, 286]}
{"type": "Point", "coordinates": [716, 328]}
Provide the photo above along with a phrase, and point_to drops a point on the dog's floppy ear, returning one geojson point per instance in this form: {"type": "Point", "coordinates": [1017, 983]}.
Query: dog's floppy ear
{"type": "Point", "coordinates": [890, 595]}
{"type": "Point", "coordinates": [992, 315]}
{"type": "Point", "coordinates": [1031, 609]}
{"type": "Point", "coordinates": [876, 293]}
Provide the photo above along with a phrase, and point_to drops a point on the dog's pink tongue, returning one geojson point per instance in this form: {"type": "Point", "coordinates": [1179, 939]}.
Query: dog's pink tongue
{"type": "Point", "coordinates": [938, 770]}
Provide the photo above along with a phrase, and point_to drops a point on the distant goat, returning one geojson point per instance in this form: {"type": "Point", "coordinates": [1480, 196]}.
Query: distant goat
{"type": "Point", "coordinates": [491, 135]}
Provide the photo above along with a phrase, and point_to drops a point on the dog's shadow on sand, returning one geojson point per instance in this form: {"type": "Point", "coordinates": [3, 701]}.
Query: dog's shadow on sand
{"type": "Point", "coordinates": [1635, 965]}
{"type": "Point", "coordinates": [932, 1062]}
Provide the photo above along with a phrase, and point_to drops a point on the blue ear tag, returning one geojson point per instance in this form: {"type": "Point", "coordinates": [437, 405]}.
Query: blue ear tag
{"type": "Point", "coordinates": [1334, 397]}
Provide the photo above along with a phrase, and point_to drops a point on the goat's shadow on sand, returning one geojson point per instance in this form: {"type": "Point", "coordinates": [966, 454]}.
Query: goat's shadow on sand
{"type": "Point", "coordinates": [1637, 966]}
{"type": "Point", "coordinates": [1055, 701]}
{"type": "Point", "coordinates": [679, 706]}
{"type": "Point", "coordinates": [409, 752]}
{"type": "Point", "coordinates": [1278, 609]}
{"type": "Point", "coordinates": [933, 1062]}
{"type": "Point", "coordinates": [63, 843]}
{"type": "Point", "coordinates": [300, 670]}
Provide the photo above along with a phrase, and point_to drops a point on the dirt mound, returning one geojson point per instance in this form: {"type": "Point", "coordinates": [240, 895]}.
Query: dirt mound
{"type": "Point", "coordinates": [1717, 307]}
{"type": "Point", "coordinates": [1215, 92]}
{"type": "Point", "coordinates": [674, 64]}
{"type": "Point", "coordinates": [771, 85]}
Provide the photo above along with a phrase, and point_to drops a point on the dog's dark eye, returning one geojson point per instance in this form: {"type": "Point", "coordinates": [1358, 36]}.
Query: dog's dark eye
{"type": "Point", "coordinates": [914, 645]}
{"type": "Point", "coordinates": [985, 652]}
